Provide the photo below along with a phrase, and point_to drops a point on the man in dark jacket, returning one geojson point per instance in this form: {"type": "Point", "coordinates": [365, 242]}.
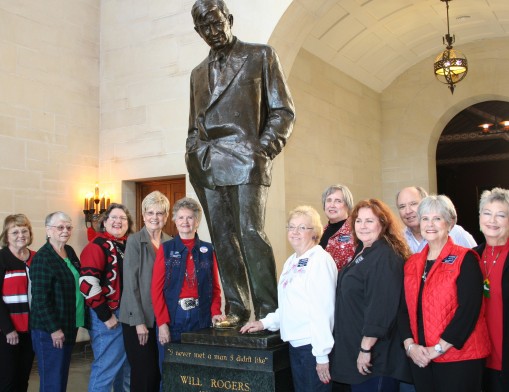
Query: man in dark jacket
{"type": "Point", "coordinates": [241, 114]}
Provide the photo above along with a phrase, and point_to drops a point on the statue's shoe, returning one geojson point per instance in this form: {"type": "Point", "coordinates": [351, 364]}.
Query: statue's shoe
{"type": "Point", "coordinates": [231, 321]}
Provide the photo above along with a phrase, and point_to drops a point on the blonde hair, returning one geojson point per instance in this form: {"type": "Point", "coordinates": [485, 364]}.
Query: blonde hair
{"type": "Point", "coordinates": [313, 215]}
{"type": "Point", "coordinates": [20, 220]}
{"type": "Point", "coordinates": [155, 199]}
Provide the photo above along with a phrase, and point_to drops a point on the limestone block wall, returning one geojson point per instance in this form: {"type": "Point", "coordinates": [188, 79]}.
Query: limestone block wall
{"type": "Point", "coordinates": [416, 108]}
{"type": "Point", "coordinates": [337, 136]}
{"type": "Point", "coordinates": [49, 109]}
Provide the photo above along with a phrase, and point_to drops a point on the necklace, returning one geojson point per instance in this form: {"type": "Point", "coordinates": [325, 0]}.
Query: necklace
{"type": "Point", "coordinates": [427, 268]}
{"type": "Point", "coordinates": [487, 273]}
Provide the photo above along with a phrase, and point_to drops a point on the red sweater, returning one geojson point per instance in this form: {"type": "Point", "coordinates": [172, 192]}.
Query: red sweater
{"type": "Point", "coordinates": [101, 274]}
{"type": "Point", "coordinates": [14, 308]}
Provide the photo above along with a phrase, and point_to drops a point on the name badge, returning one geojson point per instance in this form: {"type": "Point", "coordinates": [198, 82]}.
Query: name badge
{"type": "Point", "coordinates": [302, 263]}
{"type": "Point", "coordinates": [344, 238]}
{"type": "Point", "coordinates": [449, 259]}
{"type": "Point", "coordinates": [203, 249]}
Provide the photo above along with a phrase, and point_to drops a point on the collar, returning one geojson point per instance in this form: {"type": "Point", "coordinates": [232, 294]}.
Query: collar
{"type": "Point", "coordinates": [113, 238]}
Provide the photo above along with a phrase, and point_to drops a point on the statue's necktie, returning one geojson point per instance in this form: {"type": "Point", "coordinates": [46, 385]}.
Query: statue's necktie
{"type": "Point", "coordinates": [216, 67]}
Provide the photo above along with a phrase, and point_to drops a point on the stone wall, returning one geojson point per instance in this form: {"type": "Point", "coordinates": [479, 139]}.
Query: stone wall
{"type": "Point", "coordinates": [49, 109]}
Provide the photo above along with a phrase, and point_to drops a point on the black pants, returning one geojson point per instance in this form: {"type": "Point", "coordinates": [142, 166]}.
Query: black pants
{"type": "Point", "coordinates": [15, 363]}
{"type": "Point", "coordinates": [144, 360]}
{"type": "Point", "coordinates": [340, 387]}
{"type": "Point", "coordinates": [236, 218]}
{"type": "Point", "coordinates": [463, 376]}
{"type": "Point", "coordinates": [492, 381]}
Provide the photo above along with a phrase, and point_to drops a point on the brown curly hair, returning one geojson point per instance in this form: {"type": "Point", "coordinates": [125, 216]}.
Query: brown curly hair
{"type": "Point", "coordinates": [392, 230]}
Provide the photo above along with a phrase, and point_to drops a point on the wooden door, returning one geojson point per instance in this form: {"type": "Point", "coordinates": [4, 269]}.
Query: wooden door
{"type": "Point", "coordinates": [173, 188]}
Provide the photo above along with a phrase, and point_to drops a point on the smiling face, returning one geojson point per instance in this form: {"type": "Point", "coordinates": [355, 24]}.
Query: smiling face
{"type": "Point", "coordinates": [154, 218]}
{"type": "Point", "coordinates": [301, 235]}
{"type": "Point", "coordinates": [494, 223]}
{"type": "Point", "coordinates": [434, 228]}
{"type": "Point", "coordinates": [367, 226]}
{"type": "Point", "coordinates": [186, 223]}
{"type": "Point", "coordinates": [59, 231]}
{"type": "Point", "coordinates": [215, 29]}
{"type": "Point", "coordinates": [407, 203]}
{"type": "Point", "coordinates": [335, 207]}
{"type": "Point", "coordinates": [18, 237]}
{"type": "Point", "coordinates": [117, 223]}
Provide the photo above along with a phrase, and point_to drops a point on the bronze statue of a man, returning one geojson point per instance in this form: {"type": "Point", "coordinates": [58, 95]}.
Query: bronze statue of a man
{"type": "Point", "coordinates": [241, 116]}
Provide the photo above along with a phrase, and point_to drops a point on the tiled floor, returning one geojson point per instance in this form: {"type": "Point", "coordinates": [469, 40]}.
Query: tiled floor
{"type": "Point", "coordinates": [78, 374]}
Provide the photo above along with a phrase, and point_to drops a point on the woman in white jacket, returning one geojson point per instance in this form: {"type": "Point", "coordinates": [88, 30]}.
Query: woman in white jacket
{"type": "Point", "coordinates": [306, 293]}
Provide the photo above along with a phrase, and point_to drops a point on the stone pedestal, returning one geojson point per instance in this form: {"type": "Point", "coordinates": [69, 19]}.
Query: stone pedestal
{"type": "Point", "coordinates": [210, 360]}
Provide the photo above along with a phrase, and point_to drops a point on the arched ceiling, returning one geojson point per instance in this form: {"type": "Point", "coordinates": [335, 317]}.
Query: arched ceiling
{"type": "Point", "coordinates": [374, 41]}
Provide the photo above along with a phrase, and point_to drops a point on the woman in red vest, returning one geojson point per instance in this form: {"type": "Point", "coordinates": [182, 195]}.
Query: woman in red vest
{"type": "Point", "coordinates": [443, 327]}
{"type": "Point", "coordinates": [494, 223]}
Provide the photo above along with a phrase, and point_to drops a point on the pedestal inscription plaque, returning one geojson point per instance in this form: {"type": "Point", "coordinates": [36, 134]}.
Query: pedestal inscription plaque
{"type": "Point", "coordinates": [207, 367]}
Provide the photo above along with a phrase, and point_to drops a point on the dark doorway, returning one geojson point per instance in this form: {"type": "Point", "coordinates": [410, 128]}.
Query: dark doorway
{"type": "Point", "coordinates": [470, 161]}
{"type": "Point", "coordinates": [173, 188]}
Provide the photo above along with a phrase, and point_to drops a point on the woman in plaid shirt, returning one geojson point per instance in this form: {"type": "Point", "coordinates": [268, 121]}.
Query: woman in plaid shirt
{"type": "Point", "coordinates": [57, 304]}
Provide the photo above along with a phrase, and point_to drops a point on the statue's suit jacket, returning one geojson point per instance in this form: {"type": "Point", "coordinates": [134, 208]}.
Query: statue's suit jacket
{"type": "Point", "coordinates": [236, 129]}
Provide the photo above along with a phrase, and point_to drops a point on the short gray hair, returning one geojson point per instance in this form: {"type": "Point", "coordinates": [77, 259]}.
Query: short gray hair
{"type": "Point", "coordinates": [496, 194]}
{"type": "Point", "coordinates": [347, 195]}
{"type": "Point", "coordinates": [440, 204]}
{"type": "Point", "coordinates": [51, 218]}
{"type": "Point", "coordinates": [190, 204]}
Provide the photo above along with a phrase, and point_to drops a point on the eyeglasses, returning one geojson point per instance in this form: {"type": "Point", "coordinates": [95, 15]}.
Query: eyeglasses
{"type": "Point", "coordinates": [15, 233]}
{"type": "Point", "coordinates": [300, 229]}
{"type": "Point", "coordinates": [62, 227]}
{"type": "Point", "coordinates": [150, 214]}
{"type": "Point", "coordinates": [121, 218]}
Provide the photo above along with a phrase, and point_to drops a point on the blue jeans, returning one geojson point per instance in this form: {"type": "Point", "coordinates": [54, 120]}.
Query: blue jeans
{"type": "Point", "coordinates": [185, 321]}
{"type": "Point", "coordinates": [53, 363]}
{"type": "Point", "coordinates": [304, 375]}
{"type": "Point", "coordinates": [405, 387]}
{"type": "Point", "coordinates": [110, 367]}
{"type": "Point", "coordinates": [377, 384]}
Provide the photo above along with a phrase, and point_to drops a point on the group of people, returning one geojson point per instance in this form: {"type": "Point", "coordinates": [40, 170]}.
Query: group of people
{"type": "Point", "coordinates": [369, 304]}
{"type": "Point", "coordinates": [134, 292]}
{"type": "Point", "coordinates": [366, 303]}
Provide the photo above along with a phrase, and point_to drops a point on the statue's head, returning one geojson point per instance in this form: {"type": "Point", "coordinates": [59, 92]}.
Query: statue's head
{"type": "Point", "coordinates": [213, 22]}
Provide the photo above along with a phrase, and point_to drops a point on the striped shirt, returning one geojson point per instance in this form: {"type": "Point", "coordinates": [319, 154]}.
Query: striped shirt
{"type": "Point", "coordinates": [14, 286]}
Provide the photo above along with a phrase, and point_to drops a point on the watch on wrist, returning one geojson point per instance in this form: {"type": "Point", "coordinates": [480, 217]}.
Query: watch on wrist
{"type": "Point", "coordinates": [439, 349]}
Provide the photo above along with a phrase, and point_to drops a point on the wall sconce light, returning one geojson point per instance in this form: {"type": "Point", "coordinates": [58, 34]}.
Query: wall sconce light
{"type": "Point", "coordinates": [94, 205]}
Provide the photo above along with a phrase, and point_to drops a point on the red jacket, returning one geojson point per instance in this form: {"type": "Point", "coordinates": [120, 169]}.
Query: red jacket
{"type": "Point", "coordinates": [439, 301]}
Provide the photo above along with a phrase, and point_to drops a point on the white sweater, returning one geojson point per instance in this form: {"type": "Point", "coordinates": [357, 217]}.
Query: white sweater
{"type": "Point", "coordinates": [306, 295]}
